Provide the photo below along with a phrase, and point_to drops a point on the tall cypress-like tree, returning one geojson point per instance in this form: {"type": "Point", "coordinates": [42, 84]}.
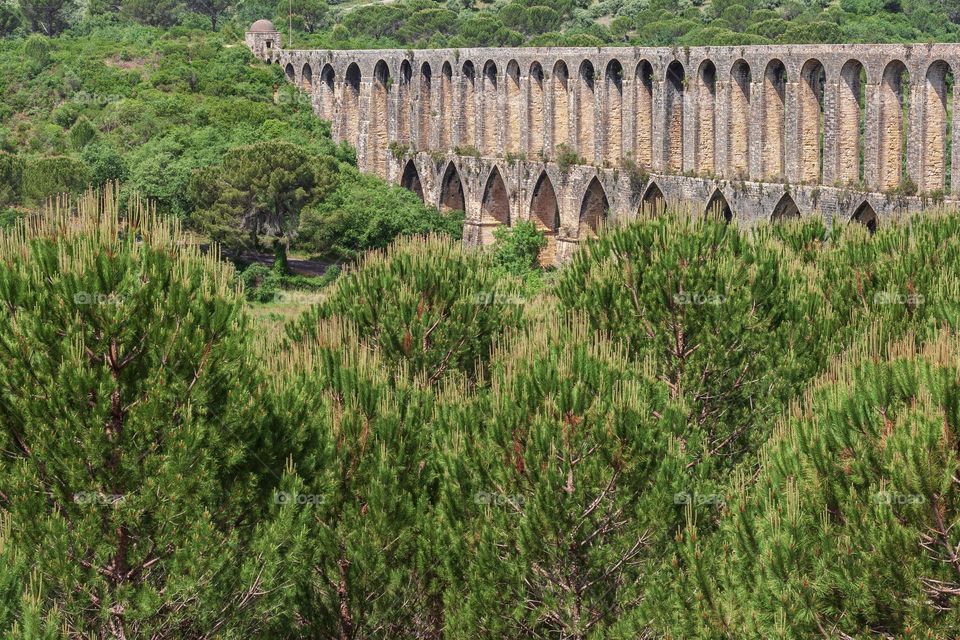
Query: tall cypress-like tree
{"type": "Point", "coordinates": [136, 458]}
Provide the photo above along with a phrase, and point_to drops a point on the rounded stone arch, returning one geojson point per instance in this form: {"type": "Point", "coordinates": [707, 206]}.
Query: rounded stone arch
{"type": "Point", "coordinates": [718, 207]}
{"type": "Point", "coordinates": [851, 122]}
{"type": "Point", "coordinates": [785, 209]}
{"type": "Point", "coordinates": [938, 105]}
{"type": "Point", "coordinates": [405, 102]}
{"type": "Point", "coordinates": [425, 106]}
{"type": "Point", "coordinates": [290, 73]}
{"type": "Point", "coordinates": [810, 129]}
{"type": "Point", "coordinates": [327, 91]}
{"type": "Point", "coordinates": [452, 194]}
{"type": "Point", "coordinates": [410, 179]}
{"type": "Point", "coordinates": [468, 104]}
{"type": "Point", "coordinates": [306, 77]}
{"type": "Point", "coordinates": [494, 206]}
{"type": "Point", "coordinates": [378, 133]}
{"type": "Point", "coordinates": [560, 94]}
{"type": "Point", "coordinates": [653, 202]}
{"type": "Point", "coordinates": [774, 126]}
{"type": "Point", "coordinates": [536, 109]}
{"type": "Point", "coordinates": [894, 125]}
{"type": "Point", "coordinates": [739, 131]}
{"type": "Point", "coordinates": [351, 103]}
{"type": "Point", "coordinates": [490, 109]}
{"type": "Point", "coordinates": [586, 111]}
{"type": "Point", "coordinates": [706, 104]}
{"type": "Point", "coordinates": [866, 215]}
{"type": "Point", "coordinates": [545, 214]}
{"type": "Point", "coordinates": [613, 113]}
{"type": "Point", "coordinates": [643, 113]}
{"type": "Point", "coordinates": [446, 105]}
{"type": "Point", "coordinates": [512, 133]}
{"type": "Point", "coordinates": [594, 209]}
{"type": "Point", "coordinates": [675, 84]}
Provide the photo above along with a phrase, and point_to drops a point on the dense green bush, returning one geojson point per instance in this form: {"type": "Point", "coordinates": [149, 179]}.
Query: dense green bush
{"type": "Point", "coordinates": [47, 176]}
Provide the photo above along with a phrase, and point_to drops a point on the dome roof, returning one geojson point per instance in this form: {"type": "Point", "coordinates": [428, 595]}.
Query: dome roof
{"type": "Point", "coordinates": [262, 26]}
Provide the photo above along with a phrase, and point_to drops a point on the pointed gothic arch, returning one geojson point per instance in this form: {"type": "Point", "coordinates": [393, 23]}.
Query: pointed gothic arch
{"type": "Point", "coordinates": [404, 103]}
{"type": "Point", "coordinates": [545, 214]}
{"type": "Point", "coordinates": [306, 78]}
{"type": "Point", "coordinates": [327, 92]}
{"type": "Point", "coordinates": [718, 207]}
{"type": "Point", "coordinates": [785, 209]}
{"type": "Point", "coordinates": [446, 106]}
{"type": "Point", "coordinates": [774, 119]}
{"type": "Point", "coordinates": [350, 122]}
{"type": "Point", "coordinates": [894, 125]}
{"type": "Point", "coordinates": [810, 129]}
{"type": "Point", "coordinates": [490, 109]}
{"type": "Point", "coordinates": [411, 179]}
{"type": "Point", "coordinates": [452, 197]}
{"type": "Point", "coordinates": [511, 129]}
{"type": "Point", "coordinates": [290, 73]}
{"type": "Point", "coordinates": [586, 112]}
{"type": "Point", "coordinates": [653, 203]}
{"type": "Point", "coordinates": [594, 209]}
{"type": "Point", "coordinates": [494, 206]}
{"type": "Point", "coordinates": [851, 122]}
{"type": "Point", "coordinates": [867, 216]}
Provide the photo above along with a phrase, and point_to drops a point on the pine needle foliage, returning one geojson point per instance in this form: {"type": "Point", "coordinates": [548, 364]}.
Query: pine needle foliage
{"type": "Point", "coordinates": [132, 479]}
{"type": "Point", "coordinates": [424, 302]}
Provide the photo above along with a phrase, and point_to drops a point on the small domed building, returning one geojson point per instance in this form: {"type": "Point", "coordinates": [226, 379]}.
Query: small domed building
{"type": "Point", "coordinates": [263, 39]}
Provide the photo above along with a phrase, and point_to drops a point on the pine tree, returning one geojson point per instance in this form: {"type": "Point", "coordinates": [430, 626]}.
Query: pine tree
{"type": "Point", "coordinates": [137, 460]}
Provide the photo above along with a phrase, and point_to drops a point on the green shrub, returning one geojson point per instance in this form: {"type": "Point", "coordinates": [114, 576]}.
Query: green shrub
{"type": "Point", "coordinates": [48, 176]}
{"type": "Point", "coordinates": [11, 178]}
{"type": "Point", "coordinates": [517, 248]}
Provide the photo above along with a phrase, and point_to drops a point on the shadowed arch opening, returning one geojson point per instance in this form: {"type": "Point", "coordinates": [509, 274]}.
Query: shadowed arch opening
{"type": "Point", "coordinates": [937, 129]}
{"type": "Point", "coordinates": [718, 207]}
{"type": "Point", "coordinates": [378, 136]}
{"type": "Point", "coordinates": [561, 104]}
{"type": "Point", "coordinates": [653, 203]}
{"type": "Point", "coordinates": [290, 73]}
{"type": "Point", "coordinates": [738, 141]}
{"type": "Point", "coordinates": [351, 104]}
{"type": "Point", "coordinates": [306, 78]}
{"type": "Point", "coordinates": [613, 113]}
{"type": "Point", "coordinates": [446, 102]}
{"type": "Point", "coordinates": [867, 216]}
{"type": "Point", "coordinates": [894, 121]}
{"type": "Point", "coordinates": [643, 116]}
{"type": "Point", "coordinates": [411, 179]}
{"type": "Point", "coordinates": [404, 103]}
{"type": "Point", "coordinates": [674, 89]}
{"type": "Point", "coordinates": [785, 209]}
{"type": "Point", "coordinates": [851, 123]}
{"type": "Point", "coordinates": [774, 119]}
{"type": "Point", "coordinates": [451, 190]}
{"type": "Point", "coordinates": [468, 105]}
{"type": "Point", "coordinates": [490, 110]}
{"type": "Point", "coordinates": [512, 128]}
{"type": "Point", "coordinates": [425, 106]}
{"type": "Point", "coordinates": [535, 111]}
{"type": "Point", "coordinates": [705, 147]}
{"type": "Point", "coordinates": [494, 207]}
{"type": "Point", "coordinates": [586, 112]}
{"type": "Point", "coordinates": [327, 92]}
{"type": "Point", "coordinates": [545, 213]}
{"type": "Point", "coordinates": [812, 81]}
{"type": "Point", "coordinates": [593, 210]}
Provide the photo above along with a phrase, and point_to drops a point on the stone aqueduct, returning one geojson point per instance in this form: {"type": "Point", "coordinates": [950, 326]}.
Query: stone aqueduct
{"type": "Point", "coordinates": [569, 137]}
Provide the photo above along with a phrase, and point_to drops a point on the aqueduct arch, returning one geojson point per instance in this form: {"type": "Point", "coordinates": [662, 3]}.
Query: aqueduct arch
{"type": "Point", "coordinates": [411, 179]}
{"type": "Point", "coordinates": [545, 213]}
{"type": "Point", "coordinates": [834, 125]}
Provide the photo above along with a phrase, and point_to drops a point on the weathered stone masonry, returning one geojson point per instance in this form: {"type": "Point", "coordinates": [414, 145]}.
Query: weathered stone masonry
{"type": "Point", "coordinates": [569, 137]}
